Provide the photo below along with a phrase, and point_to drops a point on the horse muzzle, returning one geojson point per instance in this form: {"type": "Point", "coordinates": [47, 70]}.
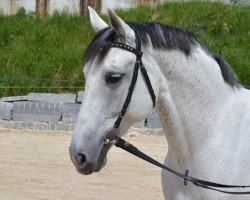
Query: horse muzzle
{"type": "Point", "coordinates": [91, 155]}
{"type": "Point", "coordinates": [83, 166]}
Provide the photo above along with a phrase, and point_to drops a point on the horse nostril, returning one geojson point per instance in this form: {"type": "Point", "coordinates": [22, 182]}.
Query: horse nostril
{"type": "Point", "coordinates": [81, 159]}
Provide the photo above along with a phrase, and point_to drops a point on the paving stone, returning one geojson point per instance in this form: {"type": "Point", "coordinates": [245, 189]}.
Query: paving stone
{"type": "Point", "coordinates": [6, 110]}
{"type": "Point", "coordinates": [2, 123]}
{"type": "Point", "coordinates": [23, 124]}
{"type": "Point", "coordinates": [30, 125]}
{"type": "Point", "coordinates": [16, 125]}
{"type": "Point", "coordinates": [80, 96]}
{"type": "Point", "coordinates": [6, 124]}
{"type": "Point", "coordinates": [65, 127]}
{"type": "Point", "coordinates": [36, 117]}
{"type": "Point", "coordinates": [55, 126]}
{"type": "Point", "coordinates": [67, 120]}
{"type": "Point", "coordinates": [14, 98]}
{"type": "Point", "coordinates": [38, 126]}
{"type": "Point", "coordinates": [71, 127]}
{"type": "Point", "coordinates": [68, 127]}
{"type": "Point", "coordinates": [50, 97]}
{"type": "Point", "coordinates": [41, 126]}
{"type": "Point", "coordinates": [45, 127]}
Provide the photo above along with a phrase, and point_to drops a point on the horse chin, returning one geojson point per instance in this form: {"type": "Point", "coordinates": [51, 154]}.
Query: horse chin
{"type": "Point", "coordinates": [100, 164]}
{"type": "Point", "coordinates": [102, 160]}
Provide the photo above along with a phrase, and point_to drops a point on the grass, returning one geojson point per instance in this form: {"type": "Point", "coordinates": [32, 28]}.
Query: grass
{"type": "Point", "coordinates": [52, 48]}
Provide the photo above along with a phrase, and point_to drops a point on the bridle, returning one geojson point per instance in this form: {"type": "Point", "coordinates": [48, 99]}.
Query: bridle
{"type": "Point", "coordinates": [119, 142]}
{"type": "Point", "coordinates": [138, 65]}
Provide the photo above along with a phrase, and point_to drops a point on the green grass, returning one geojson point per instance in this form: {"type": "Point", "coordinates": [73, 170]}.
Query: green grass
{"type": "Point", "coordinates": [52, 48]}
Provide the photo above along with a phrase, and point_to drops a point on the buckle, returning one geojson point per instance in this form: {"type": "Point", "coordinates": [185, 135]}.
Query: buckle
{"type": "Point", "coordinates": [139, 53]}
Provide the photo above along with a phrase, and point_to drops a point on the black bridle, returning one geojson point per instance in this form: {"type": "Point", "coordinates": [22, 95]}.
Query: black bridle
{"type": "Point", "coordinates": [131, 149]}
{"type": "Point", "coordinates": [138, 65]}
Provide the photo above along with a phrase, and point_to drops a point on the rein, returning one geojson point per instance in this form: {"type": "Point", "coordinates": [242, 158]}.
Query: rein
{"type": "Point", "coordinates": [119, 142]}
{"type": "Point", "coordinates": [133, 150]}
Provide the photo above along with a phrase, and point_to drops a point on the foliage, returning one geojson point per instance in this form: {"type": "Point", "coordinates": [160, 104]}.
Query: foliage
{"type": "Point", "coordinates": [52, 47]}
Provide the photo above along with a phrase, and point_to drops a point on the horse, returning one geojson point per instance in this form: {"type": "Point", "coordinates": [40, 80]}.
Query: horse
{"type": "Point", "coordinates": [203, 108]}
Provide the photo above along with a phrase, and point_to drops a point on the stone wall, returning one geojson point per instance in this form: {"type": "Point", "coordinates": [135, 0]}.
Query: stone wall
{"type": "Point", "coordinates": [47, 111]}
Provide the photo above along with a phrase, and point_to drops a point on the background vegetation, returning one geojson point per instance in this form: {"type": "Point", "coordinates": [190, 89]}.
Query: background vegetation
{"type": "Point", "coordinates": [51, 49]}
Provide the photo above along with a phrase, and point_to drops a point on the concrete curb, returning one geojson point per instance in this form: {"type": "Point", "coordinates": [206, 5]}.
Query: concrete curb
{"type": "Point", "coordinates": [56, 112]}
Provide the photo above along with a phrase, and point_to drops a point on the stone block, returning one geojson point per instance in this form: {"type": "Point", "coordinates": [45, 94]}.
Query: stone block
{"type": "Point", "coordinates": [30, 125]}
{"type": "Point", "coordinates": [65, 127]}
{"type": "Point", "coordinates": [71, 109]}
{"type": "Point", "coordinates": [37, 111]}
{"type": "Point", "coordinates": [38, 126]}
{"type": "Point", "coordinates": [70, 112]}
{"type": "Point", "coordinates": [6, 110]}
{"type": "Point", "coordinates": [55, 126]}
{"type": "Point", "coordinates": [80, 96]}
{"type": "Point", "coordinates": [23, 125]}
{"type": "Point", "coordinates": [37, 107]}
{"type": "Point", "coordinates": [36, 117]}
{"type": "Point", "coordinates": [14, 98]}
{"type": "Point", "coordinates": [68, 127]}
{"type": "Point", "coordinates": [6, 124]}
{"type": "Point", "coordinates": [154, 121]}
{"type": "Point", "coordinates": [67, 120]}
{"type": "Point", "coordinates": [50, 97]}
{"type": "Point", "coordinates": [71, 127]}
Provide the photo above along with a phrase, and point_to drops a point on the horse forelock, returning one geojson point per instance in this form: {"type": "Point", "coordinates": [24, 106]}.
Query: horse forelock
{"type": "Point", "coordinates": [161, 37]}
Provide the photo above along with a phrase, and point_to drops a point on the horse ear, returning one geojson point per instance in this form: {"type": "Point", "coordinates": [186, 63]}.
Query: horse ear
{"type": "Point", "coordinates": [96, 22]}
{"type": "Point", "coordinates": [123, 31]}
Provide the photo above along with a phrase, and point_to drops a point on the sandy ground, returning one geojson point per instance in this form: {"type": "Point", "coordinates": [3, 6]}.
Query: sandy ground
{"type": "Point", "coordinates": [36, 165]}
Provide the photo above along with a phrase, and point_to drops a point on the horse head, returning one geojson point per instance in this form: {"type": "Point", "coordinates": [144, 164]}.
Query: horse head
{"type": "Point", "coordinates": [108, 73]}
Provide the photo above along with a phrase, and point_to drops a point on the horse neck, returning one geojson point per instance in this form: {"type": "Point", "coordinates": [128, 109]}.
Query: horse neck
{"type": "Point", "coordinates": [191, 98]}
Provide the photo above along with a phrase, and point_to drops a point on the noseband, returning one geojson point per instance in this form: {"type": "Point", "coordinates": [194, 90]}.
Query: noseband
{"type": "Point", "coordinates": [138, 64]}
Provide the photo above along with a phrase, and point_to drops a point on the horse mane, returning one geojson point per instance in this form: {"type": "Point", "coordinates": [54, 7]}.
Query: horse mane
{"type": "Point", "coordinates": [162, 37]}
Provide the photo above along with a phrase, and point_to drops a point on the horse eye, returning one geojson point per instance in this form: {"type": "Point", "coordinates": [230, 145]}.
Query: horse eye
{"type": "Point", "coordinates": [113, 78]}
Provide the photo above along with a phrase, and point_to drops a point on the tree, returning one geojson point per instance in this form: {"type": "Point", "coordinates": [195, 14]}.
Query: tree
{"type": "Point", "coordinates": [95, 4]}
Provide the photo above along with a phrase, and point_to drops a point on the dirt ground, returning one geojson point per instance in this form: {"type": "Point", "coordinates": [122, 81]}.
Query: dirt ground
{"type": "Point", "coordinates": [36, 165]}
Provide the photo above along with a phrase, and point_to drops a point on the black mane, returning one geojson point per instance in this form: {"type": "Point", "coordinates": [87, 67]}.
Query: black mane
{"type": "Point", "coordinates": [162, 37]}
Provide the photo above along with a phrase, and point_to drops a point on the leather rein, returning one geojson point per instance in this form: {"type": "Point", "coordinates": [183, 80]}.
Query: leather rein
{"type": "Point", "coordinates": [119, 142]}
